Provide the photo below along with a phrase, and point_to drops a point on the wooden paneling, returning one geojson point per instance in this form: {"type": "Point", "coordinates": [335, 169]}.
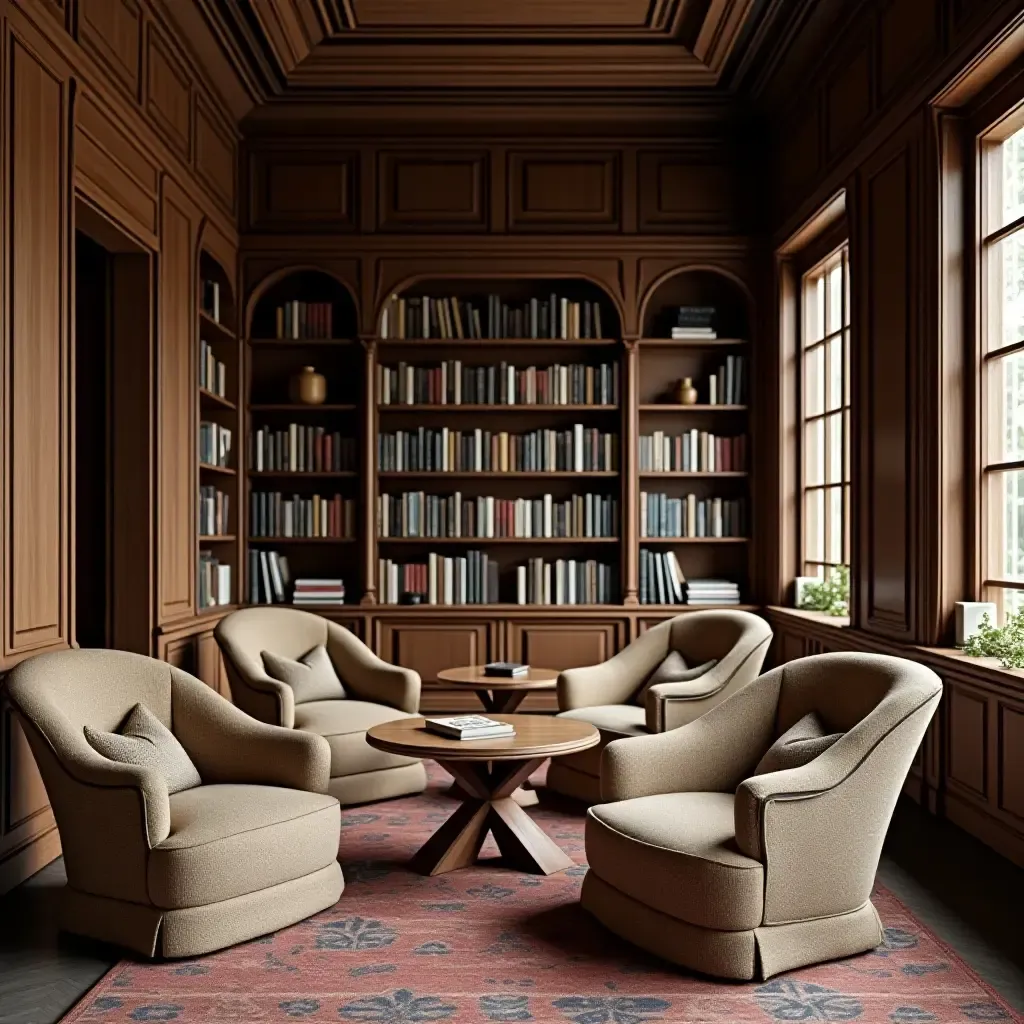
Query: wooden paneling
{"type": "Point", "coordinates": [561, 645]}
{"type": "Point", "coordinates": [112, 31]}
{"type": "Point", "coordinates": [679, 191]}
{"type": "Point", "coordinates": [36, 583]}
{"type": "Point", "coordinates": [176, 442]}
{"type": "Point", "coordinates": [216, 156]}
{"type": "Point", "coordinates": [550, 191]}
{"type": "Point", "coordinates": [432, 191]}
{"type": "Point", "coordinates": [968, 740]}
{"type": "Point", "coordinates": [314, 193]}
{"type": "Point", "coordinates": [210, 664]}
{"type": "Point", "coordinates": [168, 98]}
{"type": "Point", "coordinates": [908, 35]}
{"type": "Point", "coordinates": [848, 101]}
{"type": "Point", "coordinates": [1011, 759]}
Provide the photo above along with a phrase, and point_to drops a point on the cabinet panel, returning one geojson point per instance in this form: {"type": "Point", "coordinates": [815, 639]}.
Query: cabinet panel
{"type": "Point", "coordinates": [36, 426]}
{"type": "Point", "coordinates": [210, 665]}
{"type": "Point", "coordinates": [176, 409]}
{"type": "Point", "coordinates": [564, 644]}
{"type": "Point", "coordinates": [315, 191]}
{"type": "Point", "coordinates": [676, 191]}
{"type": "Point", "coordinates": [429, 647]}
{"type": "Point", "coordinates": [110, 30]}
{"type": "Point", "coordinates": [431, 192]}
{"type": "Point", "coordinates": [215, 154]}
{"type": "Point", "coordinates": [168, 97]}
{"type": "Point", "coordinates": [1011, 760]}
{"type": "Point", "coordinates": [554, 191]}
{"type": "Point", "coordinates": [968, 740]}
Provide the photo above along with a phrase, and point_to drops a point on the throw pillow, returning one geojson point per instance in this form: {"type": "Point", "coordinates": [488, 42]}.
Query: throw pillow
{"type": "Point", "coordinates": [145, 741]}
{"type": "Point", "coordinates": [673, 669]}
{"type": "Point", "coordinates": [800, 744]}
{"type": "Point", "coordinates": [311, 678]}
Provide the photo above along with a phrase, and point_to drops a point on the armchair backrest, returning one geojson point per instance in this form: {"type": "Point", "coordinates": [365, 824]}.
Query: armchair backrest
{"type": "Point", "coordinates": [243, 635]}
{"type": "Point", "coordinates": [706, 635]}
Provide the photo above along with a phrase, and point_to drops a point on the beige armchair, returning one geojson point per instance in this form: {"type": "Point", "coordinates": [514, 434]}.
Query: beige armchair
{"type": "Point", "coordinates": [376, 692]}
{"type": "Point", "coordinates": [252, 849]}
{"type": "Point", "coordinates": [700, 861]}
{"type": "Point", "coordinates": [612, 697]}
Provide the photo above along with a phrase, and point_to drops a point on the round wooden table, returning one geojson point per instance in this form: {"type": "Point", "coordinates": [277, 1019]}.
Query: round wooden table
{"type": "Point", "coordinates": [499, 693]}
{"type": "Point", "coordinates": [488, 771]}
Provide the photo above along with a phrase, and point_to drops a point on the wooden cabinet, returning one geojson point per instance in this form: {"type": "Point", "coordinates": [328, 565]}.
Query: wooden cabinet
{"type": "Point", "coordinates": [210, 664]}
{"type": "Point", "coordinates": [431, 645]}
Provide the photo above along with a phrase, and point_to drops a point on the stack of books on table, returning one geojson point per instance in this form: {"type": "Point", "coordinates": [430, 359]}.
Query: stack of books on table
{"type": "Point", "coordinates": [694, 322]}
{"type": "Point", "coordinates": [506, 669]}
{"type": "Point", "coordinates": [321, 592]}
{"type": "Point", "coordinates": [470, 727]}
{"type": "Point", "coordinates": [712, 592]}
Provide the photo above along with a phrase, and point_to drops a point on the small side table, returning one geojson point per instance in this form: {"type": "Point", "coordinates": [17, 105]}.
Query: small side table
{"type": "Point", "coordinates": [501, 694]}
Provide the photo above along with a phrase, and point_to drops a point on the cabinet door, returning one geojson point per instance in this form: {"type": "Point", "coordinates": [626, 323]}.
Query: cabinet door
{"type": "Point", "coordinates": [429, 647]}
{"type": "Point", "coordinates": [176, 407]}
{"type": "Point", "coordinates": [210, 665]}
{"type": "Point", "coordinates": [560, 645]}
{"type": "Point", "coordinates": [179, 652]}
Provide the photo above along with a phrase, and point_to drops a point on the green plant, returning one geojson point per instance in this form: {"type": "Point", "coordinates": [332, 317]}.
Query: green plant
{"type": "Point", "coordinates": [1003, 642]}
{"type": "Point", "coordinates": [831, 595]}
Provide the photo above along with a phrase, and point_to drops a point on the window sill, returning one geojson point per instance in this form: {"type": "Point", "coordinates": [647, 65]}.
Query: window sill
{"type": "Point", "coordinates": [984, 667]}
{"type": "Point", "coordinates": [819, 618]}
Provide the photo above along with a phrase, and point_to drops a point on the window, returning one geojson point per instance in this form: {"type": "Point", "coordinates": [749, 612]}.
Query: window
{"type": "Point", "coordinates": [1002, 383]}
{"type": "Point", "coordinates": [825, 414]}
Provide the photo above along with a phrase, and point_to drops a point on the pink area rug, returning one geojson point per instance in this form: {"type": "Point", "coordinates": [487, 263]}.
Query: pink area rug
{"type": "Point", "coordinates": [489, 944]}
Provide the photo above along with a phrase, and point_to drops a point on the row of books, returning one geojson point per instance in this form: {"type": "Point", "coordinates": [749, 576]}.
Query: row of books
{"type": "Point", "coordinates": [661, 578]}
{"type": "Point", "coordinates": [302, 320]}
{"type": "Point", "coordinates": [694, 451]}
{"type": "Point", "coordinates": [214, 509]}
{"type": "Point", "coordinates": [578, 449]}
{"type": "Point", "coordinates": [564, 581]}
{"type": "Point", "coordinates": [415, 514]}
{"type": "Point", "coordinates": [452, 383]}
{"type": "Point", "coordinates": [300, 448]}
{"type": "Point", "coordinates": [213, 374]}
{"type": "Point", "coordinates": [214, 444]}
{"type": "Point", "coordinates": [214, 581]}
{"type": "Point", "coordinates": [490, 317]}
{"type": "Point", "coordinates": [728, 384]}
{"type": "Point", "coordinates": [269, 577]}
{"type": "Point", "coordinates": [210, 299]}
{"type": "Point", "coordinates": [272, 514]}
{"type": "Point", "coordinates": [689, 516]}
{"type": "Point", "coordinates": [463, 579]}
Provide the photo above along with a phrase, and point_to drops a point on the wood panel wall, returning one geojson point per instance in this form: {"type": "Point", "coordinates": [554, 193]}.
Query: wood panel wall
{"type": "Point", "coordinates": [102, 105]}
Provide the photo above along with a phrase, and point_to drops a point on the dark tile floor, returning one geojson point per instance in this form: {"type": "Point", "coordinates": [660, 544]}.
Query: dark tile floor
{"type": "Point", "coordinates": [968, 895]}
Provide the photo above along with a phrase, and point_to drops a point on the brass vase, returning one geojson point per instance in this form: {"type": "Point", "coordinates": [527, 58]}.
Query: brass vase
{"type": "Point", "coordinates": [686, 393]}
{"type": "Point", "coordinates": [309, 387]}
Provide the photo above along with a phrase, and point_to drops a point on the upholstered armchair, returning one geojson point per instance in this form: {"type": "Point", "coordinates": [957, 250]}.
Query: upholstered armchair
{"type": "Point", "coordinates": [722, 650]}
{"type": "Point", "coordinates": [251, 849]}
{"type": "Point", "coordinates": [712, 853]}
{"type": "Point", "coordinates": [375, 692]}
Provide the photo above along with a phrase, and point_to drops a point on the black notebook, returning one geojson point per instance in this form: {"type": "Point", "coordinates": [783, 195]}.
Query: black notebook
{"type": "Point", "coordinates": [508, 669]}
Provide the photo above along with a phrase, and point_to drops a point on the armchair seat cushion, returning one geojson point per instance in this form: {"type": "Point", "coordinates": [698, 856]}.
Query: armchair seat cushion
{"type": "Point", "coordinates": [343, 723]}
{"type": "Point", "coordinates": [229, 840]}
{"type": "Point", "coordinates": [614, 721]}
{"type": "Point", "coordinates": [677, 853]}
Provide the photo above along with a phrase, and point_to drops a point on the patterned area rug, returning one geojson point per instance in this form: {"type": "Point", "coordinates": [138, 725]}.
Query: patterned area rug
{"type": "Point", "coordinates": [489, 944]}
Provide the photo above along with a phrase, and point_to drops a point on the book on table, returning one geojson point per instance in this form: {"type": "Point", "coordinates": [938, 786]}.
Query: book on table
{"type": "Point", "coordinates": [470, 727]}
{"type": "Point", "coordinates": [506, 669]}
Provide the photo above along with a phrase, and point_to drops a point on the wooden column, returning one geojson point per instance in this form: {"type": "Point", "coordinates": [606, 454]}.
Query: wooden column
{"type": "Point", "coordinates": [369, 481]}
{"type": "Point", "coordinates": [628, 471]}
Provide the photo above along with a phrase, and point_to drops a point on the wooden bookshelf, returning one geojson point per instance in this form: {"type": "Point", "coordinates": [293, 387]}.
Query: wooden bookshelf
{"type": "Point", "coordinates": [218, 370]}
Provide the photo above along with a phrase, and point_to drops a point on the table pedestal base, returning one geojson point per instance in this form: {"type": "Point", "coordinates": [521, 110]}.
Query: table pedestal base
{"type": "Point", "coordinates": [502, 701]}
{"type": "Point", "coordinates": [489, 805]}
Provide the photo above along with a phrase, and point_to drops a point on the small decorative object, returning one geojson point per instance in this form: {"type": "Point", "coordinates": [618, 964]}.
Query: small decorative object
{"type": "Point", "coordinates": [410, 597]}
{"type": "Point", "coordinates": [969, 617]}
{"type": "Point", "coordinates": [686, 393]}
{"type": "Point", "coordinates": [830, 595]}
{"type": "Point", "coordinates": [309, 387]}
{"type": "Point", "coordinates": [1003, 642]}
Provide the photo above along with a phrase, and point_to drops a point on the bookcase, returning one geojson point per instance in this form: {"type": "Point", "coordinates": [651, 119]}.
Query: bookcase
{"type": "Point", "coordinates": [497, 444]}
{"type": "Point", "coordinates": [218, 369]}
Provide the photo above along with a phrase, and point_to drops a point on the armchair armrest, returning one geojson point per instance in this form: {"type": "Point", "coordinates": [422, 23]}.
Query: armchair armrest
{"type": "Point", "coordinates": [370, 677]}
{"type": "Point", "coordinates": [256, 693]}
{"type": "Point", "coordinates": [712, 754]}
{"type": "Point", "coordinates": [670, 705]}
{"type": "Point", "coordinates": [819, 828]}
{"type": "Point", "coordinates": [227, 745]}
{"type": "Point", "coordinates": [616, 680]}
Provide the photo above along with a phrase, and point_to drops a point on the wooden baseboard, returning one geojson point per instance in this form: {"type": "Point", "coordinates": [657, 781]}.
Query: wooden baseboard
{"type": "Point", "coordinates": [28, 859]}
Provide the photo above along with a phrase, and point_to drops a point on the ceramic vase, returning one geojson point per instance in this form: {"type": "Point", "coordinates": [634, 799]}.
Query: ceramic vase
{"type": "Point", "coordinates": [686, 393]}
{"type": "Point", "coordinates": [309, 387]}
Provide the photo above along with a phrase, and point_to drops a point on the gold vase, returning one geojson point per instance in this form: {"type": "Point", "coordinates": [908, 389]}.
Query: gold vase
{"type": "Point", "coordinates": [309, 387]}
{"type": "Point", "coordinates": [686, 393]}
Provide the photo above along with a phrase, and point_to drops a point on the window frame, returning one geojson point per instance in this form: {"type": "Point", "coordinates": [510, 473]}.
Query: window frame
{"type": "Point", "coordinates": [826, 247]}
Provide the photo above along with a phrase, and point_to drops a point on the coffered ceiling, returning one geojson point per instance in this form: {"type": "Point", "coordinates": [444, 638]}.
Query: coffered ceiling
{"type": "Point", "coordinates": [316, 51]}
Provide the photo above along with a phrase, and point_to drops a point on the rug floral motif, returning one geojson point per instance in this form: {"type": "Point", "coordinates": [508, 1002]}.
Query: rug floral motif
{"type": "Point", "coordinates": [490, 944]}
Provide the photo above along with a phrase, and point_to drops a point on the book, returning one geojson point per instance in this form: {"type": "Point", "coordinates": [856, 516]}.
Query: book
{"type": "Point", "coordinates": [506, 669]}
{"type": "Point", "coordinates": [469, 727]}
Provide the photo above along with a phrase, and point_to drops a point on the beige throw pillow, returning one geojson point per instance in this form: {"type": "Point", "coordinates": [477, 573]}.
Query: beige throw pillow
{"type": "Point", "coordinates": [800, 744]}
{"type": "Point", "coordinates": [311, 678]}
{"type": "Point", "coordinates": [145, 741]}
{"type": "Point", "coordinates": [674, 669]}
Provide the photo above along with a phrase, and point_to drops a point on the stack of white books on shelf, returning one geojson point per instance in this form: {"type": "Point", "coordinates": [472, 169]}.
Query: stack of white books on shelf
{"type": "Point", "coordinates": [706, 592]}
{"type": "Point", "coordinates": [470, 727]}
{"type": "Point", "coordinates": [319, 591]}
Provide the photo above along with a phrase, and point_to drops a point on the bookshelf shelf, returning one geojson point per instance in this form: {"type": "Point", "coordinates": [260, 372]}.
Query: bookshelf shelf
{"type": "Point", "coordinates": [302, 540]}
{"type": "Point", "coordinates": [533, 343]}
{"type": "Point", "coordinates": [217, 538]}
{"type": "Point", "coordinates": [666, 407]}
{"type": "Point", "coordinates": [681, 475]}
{"type": "Point", "coordinates": [205, 467]}
{"type": "Point", "coordinates": [415, 474]}
{"type": "Point", "coordinates": [208, 323]}
{"type": "Point", "coordinates": [693, 540]}
{"type": "Point", "coordinates": [299, 407]}
{"type": "Point", "coordinates": [695, 343]}
{"type": "Point", "coordinates": [211, 398]}
{"type": "Point", "coordinates": [521, 409]}
{"type": "Point", "coordinates": [482, 541]}
{"type": "Point", "coordinates": [272, 474]}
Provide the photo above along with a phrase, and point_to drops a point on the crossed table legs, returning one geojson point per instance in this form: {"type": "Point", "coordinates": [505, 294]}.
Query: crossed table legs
{"type": "Point", "coordinates": [486, 789]}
